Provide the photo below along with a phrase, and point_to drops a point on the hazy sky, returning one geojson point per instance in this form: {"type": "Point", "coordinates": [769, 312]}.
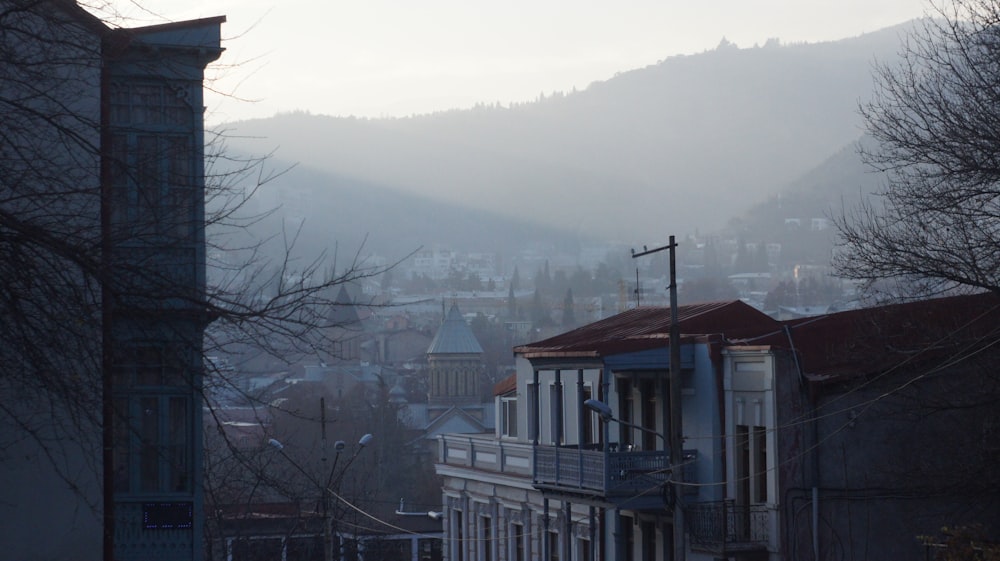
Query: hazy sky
{"type": "Point", "coordinates": [398, 57]}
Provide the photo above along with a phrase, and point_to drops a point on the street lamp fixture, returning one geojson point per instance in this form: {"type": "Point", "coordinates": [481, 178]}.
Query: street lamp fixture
{"type": "Point", "coordinates": [432, 514]}
{"type": "Point", "coordinates": [603, 410]}
{"type": "Point", "coordinates": [332, 486]}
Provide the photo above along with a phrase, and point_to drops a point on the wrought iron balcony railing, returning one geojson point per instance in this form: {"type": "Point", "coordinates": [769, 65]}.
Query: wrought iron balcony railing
{"type": "Point", "coordinates": [726, 526]}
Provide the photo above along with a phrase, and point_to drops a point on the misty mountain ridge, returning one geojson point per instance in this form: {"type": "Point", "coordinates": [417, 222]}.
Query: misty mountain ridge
{"type": "Point", "coordinates": [680, 146]}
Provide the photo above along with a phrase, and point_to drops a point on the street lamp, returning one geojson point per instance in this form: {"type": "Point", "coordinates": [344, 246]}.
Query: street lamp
{"type": "Point", "coordinates": [603, 410]}
{"type": "Point", "coordinates": [332, 484]}
{"type": "Point", "coordinates": [432, 514]}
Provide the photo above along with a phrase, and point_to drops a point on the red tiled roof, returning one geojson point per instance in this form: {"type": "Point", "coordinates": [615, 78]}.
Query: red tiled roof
{"type": "Point", "coordinates": [649, 327]}
{"type": "Point", "coordinates": [506, 385]}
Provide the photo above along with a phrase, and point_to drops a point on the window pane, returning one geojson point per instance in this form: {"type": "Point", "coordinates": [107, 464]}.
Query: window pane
{"type": "Point", "coordinates": [176, 361]}
{"type": "Point", "coordinates": [178, 449]}
{"type": "Point", "coordinates": [584, 550]}
{"type": "Point", "coordinates": [149, 453]}
{"type": "Point", "coordinates": [181, 198]}
{"type": "Point", "coordinates": [519, 539]}
{"type": "Point", "coordinates": [486, 523]}
{"type": "Point", "coordinates": [122, 437]}
{"type": "Point", "coordinates": [177, 106]}
{"type": "Point", "coordinates": [147, 103]}
{"type": "Point", "coordinates": [742, 464]}
{"type": "Point", "coordinates": [430, 549]}
{"type": "Point", "coordinates": [148, 366]}
{"type": "Point", "coordinates": [509, 422]}
{"type": "Point", "coordinates": [120, 191]}
{"type": "Point", "coordinates": [760, 464]}
{"type": "Point", "coordinates": [308, 548]}
{"type": "Point", "coordinates": [120, 106]}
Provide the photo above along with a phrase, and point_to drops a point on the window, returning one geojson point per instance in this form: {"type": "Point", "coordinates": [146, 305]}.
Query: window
{"type": "Point", "coordinates": [648, 392]}
{"type": "Point", "coordinates": [628, 536]}
{"type": "Point", "coordinates": [429, 549]}
{"type": "Point", "coordinates": [751, 464]}
{"type": "Point", "coordinates": [583, 550]}
{"type": "Point", "coordinates": [627, 410]}
{"type": "Point", "coordinates": [760, 463]}
{"type": "Point", "coordinates": [516, 543]}
{"type": "Point", "coordinates": [153, 421]}
{"type": "Point", "coordinates": [485, 538]}
{"type": "Point", "coordinates": [159, 199]}
{"type": "Point", "coordinates": [588, 419]}
{"type": "Point", "coordinates": [742, 464]}
{"type": "Point", "coordinates": [304, 548]}
{"type": "Point", "coordinates": [554, 543]}
{"type": "Point", "coordinates": [151, 104]}
{"type": "Point", "coordinates": [508, 414]}
{"type": "Point", "coordinates": [386, 549]}
{"type": "Point", "coordinates": [458, 541]}
{"type": "Point", "coordinates": [556, 414]}
{"type": "Point", "coordinates": [648, 542]}
{"type": "Point", "coordinates": [153, 365]}
{"type": "Point", "coordinates": [162, 443]}
{"type": "Point", "coordinates": [260, 549]}
{"type": "Point", "coordinates": [532, 411]}
{"type": "Point", "coordinates": [152, 161]}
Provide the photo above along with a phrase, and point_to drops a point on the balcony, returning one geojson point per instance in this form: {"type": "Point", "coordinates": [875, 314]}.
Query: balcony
{"type": "Point", "coordinates": [630, 479]}
{"type": "Point", "coordinates": [484, 452]}
{"type": "Point", "coordinates": [724, 526]}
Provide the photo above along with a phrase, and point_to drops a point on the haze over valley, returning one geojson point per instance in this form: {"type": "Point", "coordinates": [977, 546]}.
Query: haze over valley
{"type": "Point", "coordinates": [681, 147]}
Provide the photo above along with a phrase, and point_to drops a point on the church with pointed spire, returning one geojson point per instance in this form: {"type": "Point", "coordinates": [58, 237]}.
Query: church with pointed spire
{"type": "Point", "coordinates": [455, 368]}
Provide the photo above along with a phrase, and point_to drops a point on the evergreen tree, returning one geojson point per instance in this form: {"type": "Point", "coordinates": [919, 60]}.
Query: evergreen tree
{"type": "Point", "coordinates": [539, 314]}
{"type": "Point", "coordinates": [511, 303]}
{"type": "Point", "coordinates": [569, 315]}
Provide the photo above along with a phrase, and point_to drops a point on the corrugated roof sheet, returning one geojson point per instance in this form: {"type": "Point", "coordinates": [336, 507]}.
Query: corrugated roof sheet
{"type": "Point", "coordinates": [649, 327]}
{"type": "Point", "coordinates": [454, 336]}
{"type": "Point", "coordinates": [829, 348]}
{"type": "Point", "coordinates": [872, 340]}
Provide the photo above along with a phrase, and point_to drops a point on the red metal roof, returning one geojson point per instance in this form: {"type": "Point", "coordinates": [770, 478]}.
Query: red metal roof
{"type": "Point", "coordinates": [830, 347]}
{"type": "Point", "coordinates": [649, 327]}
{"type": "Point", "coordinates": [872, 340]}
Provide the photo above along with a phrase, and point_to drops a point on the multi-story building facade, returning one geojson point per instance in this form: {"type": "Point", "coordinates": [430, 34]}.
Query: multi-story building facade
{"type": "Point", "coordinates": [556, 482]}
{"type": "Point", "coordinates": [154, 125]}
{"type": "Point", "coordinates": [853, 433]}
{"type": "Point", "coordinates": [122, 177]}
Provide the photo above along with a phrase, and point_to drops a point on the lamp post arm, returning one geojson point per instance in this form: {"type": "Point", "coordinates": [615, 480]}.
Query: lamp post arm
{"type": "Point", "coordinates": [300, 468]}
{"type": "Point", "coordinates": [333, 469]}
{"type": "Point", "coordinates": [643, 429]}
{"type": "Point", "coordinates": [604, 412]}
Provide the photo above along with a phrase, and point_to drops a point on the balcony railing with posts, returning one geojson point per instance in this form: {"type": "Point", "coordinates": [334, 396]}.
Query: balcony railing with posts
{"type": "Point", "coordinates": [485, 452]}
{"type": "Point", "coordinates": [726, 526]}
{"type": "Point", "coordinates": [617, 476]}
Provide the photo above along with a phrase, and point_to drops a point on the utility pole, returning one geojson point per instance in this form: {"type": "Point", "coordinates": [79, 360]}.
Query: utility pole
{"type": "Point", "coordinates": [676, 431]}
